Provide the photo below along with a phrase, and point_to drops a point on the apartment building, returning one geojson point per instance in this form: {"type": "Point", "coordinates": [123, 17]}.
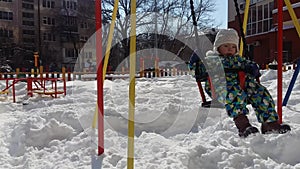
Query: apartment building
{"type": "Point", "coordinates": [261, 32]}
{"type": "Point", "coordinates": [57, 29]}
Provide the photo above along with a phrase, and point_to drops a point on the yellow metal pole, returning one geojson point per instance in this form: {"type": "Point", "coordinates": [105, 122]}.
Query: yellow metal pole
{"type": "Point", "coordinates": [110, 36]}
{"type": "Point", "coordinates": [17, 72]}
{"type": "Point", "coordinates": [32, 72]}
{"type": "Point", "coordinates": [95, 118]}
{"type": "Point", "coordinates": [36, 57]}
{"type": "Point", "coordinates": [41, 71]}
{"type": "Point", "coordinates": [130, 151]}
{"type": "Point", "coordinates": [293, 16]}
{"type": "Point", "coordinates": [246, 13]}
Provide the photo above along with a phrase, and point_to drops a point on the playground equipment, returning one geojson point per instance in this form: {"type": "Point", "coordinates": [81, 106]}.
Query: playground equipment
{"type": "Point", "coordinates": [99, 113]}
{"type": "Point", "coordinates": [291, 85]}
{"type": "Point", "coordinates": [130, 151]}
{"type": "Point", "coordinates": [242, 44]}
{"type": "Point", "coordinates": [39, 85]}
{"type": "Point", "coordinates": [280, 47]}
{"type": "Point", "coordinates": [295, 75]}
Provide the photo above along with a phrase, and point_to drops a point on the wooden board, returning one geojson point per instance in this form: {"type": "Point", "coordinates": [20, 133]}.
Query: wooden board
{"type": "Point", "coordinates": [48, 92]}
{"type": "Point", "coordinates": [4, 92]}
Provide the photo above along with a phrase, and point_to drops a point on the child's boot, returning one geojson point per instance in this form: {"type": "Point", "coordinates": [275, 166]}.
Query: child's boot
{"type": "Point", "coordinates": [243, 125]}
{"type": "Point", "coordinates": [274, 127]}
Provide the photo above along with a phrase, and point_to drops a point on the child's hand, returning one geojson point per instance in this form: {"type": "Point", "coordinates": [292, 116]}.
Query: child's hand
{"type": "Point", "coordinates": [191, 66]}
{"type": "Point", "coordinates": [194, 59]}
{"type": "Point", "coordinates": [253, 69]}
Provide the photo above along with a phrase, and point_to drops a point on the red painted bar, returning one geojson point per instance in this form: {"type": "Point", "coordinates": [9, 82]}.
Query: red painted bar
{"type": "Point", "coordinates": [279, 60]}
{"type": "Point", "coordinates": [99, 77]}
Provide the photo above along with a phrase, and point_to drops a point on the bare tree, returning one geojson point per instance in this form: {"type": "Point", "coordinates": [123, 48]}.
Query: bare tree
{"type": "Point", "coordinates": [164, 17]}
{"type": "Point", "coordinates": [167, 11]}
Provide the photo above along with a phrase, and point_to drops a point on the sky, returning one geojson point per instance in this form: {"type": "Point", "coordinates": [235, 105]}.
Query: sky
{"type": "Point", "coordinates": [221, 12]}
{"type": "Point", "coordinates": [171, 129]}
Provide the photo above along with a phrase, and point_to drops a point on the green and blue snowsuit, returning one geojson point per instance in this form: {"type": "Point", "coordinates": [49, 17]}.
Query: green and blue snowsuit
{"type": "Point", "coordinates": [234, 98]}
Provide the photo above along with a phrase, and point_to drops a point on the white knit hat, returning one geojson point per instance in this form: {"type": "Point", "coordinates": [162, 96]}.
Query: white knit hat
{"type": "Point", "coordinates": [226, 36]}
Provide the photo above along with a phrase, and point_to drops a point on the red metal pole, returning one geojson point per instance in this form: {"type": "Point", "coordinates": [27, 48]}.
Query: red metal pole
{"type": "Point", "coordinates": [69, 74]}
{"type": "Point", "coordinates": [99, 77]}
{"type": "Point", "coordinates": [29, 86]}
{"type": "Point", "coordinates": [55, 89]}
{"type": "Point", "coordinates": [6, 82]}
{"type": "Point", "coordinates": [65, 87]}
{"type": "Point", "coordinates": [14, 92]}
{"type": "Point", "coordinates": [279, 59]}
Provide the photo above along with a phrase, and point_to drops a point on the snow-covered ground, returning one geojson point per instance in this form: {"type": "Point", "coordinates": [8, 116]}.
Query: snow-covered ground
{"type": "Point", "coordinates": [172, 130]}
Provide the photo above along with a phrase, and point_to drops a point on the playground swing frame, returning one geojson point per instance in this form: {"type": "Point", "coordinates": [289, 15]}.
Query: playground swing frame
{"type": "Point", "coordinates": [243, 43]}
{"type": "Point", "coordinates": [241, 73]}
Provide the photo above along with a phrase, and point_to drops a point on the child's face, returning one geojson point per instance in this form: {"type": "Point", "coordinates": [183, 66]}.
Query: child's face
{"type": "Point", "coordinates": [227, 49]}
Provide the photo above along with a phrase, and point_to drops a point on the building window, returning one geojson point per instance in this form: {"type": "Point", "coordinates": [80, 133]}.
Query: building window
{"type": "Point", "coordinates": [28, 40]}
{"type": "Point", "coordinates": [68, 4]}
{"type": "Point", "coordinates": [84, 25]}
{"type": "Point", "coordinates": [5, 0]}
{"type": "Point", "coordinates": [260, 18]}
{"type": "Point", "coordinates": [83, 38]}
{"type": "Point", "coordinates": [48, 21]}
{"type": "Point", "coordinates": [28, 32]}
{"type": "Point", "coordinates": [28, 15]}
{"type": "Point", "coordinates": [70, 53]}
{"type": "Point", "coordinates": [28, 23]}
{"type": "Point", "coordinates": [6, 33]}
{"type": "Point", "coordinates": [48, 4]}
{"type": "Point", "coordinates": [28, 1]}
{"type": "Point", "coordinates": [27, 6]}
{"type": "Point", "coordinates": [49, 37]}
{"type": "Point", "coordinates": [6, 15]}
{"type": "Point", "coordinates": [70, 20]}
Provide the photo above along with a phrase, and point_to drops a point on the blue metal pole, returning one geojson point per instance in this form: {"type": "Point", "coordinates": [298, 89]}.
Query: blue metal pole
{"type": "Point", "coordinates": [294, 78]}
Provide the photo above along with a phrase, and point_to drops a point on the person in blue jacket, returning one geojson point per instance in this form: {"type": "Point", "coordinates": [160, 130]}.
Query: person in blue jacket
{"type": "Point", "coordinates": [235, 98]}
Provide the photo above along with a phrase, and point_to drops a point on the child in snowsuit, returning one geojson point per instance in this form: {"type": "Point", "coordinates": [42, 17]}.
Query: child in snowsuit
{"type": "Point", "coordinates": [232, 96]}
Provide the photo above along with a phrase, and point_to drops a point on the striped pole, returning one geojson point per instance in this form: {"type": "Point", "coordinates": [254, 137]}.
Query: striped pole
{"type": "Point", "coordinates": [130, 152]}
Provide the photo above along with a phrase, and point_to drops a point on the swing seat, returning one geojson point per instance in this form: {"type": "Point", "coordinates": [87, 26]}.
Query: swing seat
{"type": "Point", "coordinates": [213, 103]}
